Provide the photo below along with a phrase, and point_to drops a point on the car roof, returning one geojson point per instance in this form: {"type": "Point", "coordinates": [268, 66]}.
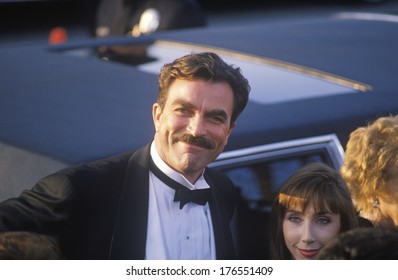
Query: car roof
{"type": "Point", "coordinates": [59, 101]}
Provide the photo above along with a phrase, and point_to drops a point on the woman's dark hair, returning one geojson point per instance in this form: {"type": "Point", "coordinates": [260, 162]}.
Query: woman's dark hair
{"type": "Point", "coordinates": [314, 185]}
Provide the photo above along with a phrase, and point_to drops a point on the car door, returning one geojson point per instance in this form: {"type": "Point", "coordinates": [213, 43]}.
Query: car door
{"type": "Point", "coordinates": [258, 172]}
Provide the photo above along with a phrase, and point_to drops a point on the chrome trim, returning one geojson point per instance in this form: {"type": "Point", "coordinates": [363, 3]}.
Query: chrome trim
{"type": "Point", "coordinates": [367, 16]}
{"type": "Point", "coordinates": [329, 142]}
{"type": "Point", "coordinates": [269, 61]}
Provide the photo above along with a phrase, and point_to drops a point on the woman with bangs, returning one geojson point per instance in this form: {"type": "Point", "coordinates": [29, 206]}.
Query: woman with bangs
{"type": "Point", "coordinates": [312, 207]}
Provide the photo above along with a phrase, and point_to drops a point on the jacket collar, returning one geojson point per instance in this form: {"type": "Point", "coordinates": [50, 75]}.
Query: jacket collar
{"type": "Point", "coordinates": [128, 240]}
{"type": "Point", "coordinates": [130, 230]}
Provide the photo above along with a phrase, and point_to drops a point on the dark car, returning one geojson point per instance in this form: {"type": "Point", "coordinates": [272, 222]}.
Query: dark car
{"type": "Point", "coordinates": [105, 17]}
{"type": "Point", "coordinates": [313, 82]}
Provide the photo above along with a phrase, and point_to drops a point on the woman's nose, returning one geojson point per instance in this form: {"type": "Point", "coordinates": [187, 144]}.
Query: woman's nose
{"type": "Point", "coordinates": [309, 240]}
{"type": "Point", "coordinates": [308, 236]}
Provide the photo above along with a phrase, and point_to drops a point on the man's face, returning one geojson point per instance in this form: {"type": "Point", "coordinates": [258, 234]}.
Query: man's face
{"type": "Point", "coordinates": [194, 125]}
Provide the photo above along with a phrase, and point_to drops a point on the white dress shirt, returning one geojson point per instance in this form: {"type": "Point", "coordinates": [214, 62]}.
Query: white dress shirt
{"type": "Point", "coordinates": [175, 233]}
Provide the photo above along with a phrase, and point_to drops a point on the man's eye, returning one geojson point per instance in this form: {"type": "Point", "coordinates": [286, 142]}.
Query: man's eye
{"type": "Point", "coordinates": [182, 110]}
{"type": "Point", "coordinates": [217, 118]}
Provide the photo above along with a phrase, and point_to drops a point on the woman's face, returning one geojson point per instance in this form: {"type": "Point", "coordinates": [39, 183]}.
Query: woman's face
{"type": "Point", "coordinates": [306, 233]}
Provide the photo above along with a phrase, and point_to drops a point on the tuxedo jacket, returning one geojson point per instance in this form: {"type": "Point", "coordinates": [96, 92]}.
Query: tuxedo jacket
{"type": "Point", "coordinates": [99, 210]}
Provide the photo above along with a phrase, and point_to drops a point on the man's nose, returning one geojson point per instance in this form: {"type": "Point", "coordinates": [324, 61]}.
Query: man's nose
{"type": "Point", "coordinates": [197, 126]}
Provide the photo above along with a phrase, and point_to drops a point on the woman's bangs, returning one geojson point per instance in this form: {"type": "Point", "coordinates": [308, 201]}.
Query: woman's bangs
{"type": "Point", "coordinates": [325, 199]}
{"type": "Point", "coordinates": [291, 201]}
{"type": "Point", "coordinates": [322, 199]}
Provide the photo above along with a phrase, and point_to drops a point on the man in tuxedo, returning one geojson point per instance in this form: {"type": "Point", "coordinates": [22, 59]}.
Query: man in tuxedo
{"type": "Point", "coordinates": [161, 201]}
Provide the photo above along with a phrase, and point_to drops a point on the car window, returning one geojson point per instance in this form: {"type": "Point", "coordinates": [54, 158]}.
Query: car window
{"type": "Point", "coordinates": [260, 171]}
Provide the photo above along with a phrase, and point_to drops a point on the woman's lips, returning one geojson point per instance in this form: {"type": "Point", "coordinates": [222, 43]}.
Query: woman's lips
{"type": "Point", "coordinates": [308, 253]}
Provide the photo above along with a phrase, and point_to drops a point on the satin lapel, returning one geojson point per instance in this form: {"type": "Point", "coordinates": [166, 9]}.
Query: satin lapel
{"type": "Point", "coordinates": [129, 236]}
{"type": "Point", "coordinates": [219, 208]}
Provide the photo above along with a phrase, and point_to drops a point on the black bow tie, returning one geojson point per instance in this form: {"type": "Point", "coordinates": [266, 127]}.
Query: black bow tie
{"type": "Point", "coordinates": [182, 193]}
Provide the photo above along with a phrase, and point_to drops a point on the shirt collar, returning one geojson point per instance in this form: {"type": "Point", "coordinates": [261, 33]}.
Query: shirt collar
{"type": "Point", "coordinates": [199, 184]}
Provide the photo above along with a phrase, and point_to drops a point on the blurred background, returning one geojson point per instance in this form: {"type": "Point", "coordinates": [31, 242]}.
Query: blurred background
{"type": "Point", "coordinates": [33, 20]}
{"type": "Point", "coordinates": [316, 68]}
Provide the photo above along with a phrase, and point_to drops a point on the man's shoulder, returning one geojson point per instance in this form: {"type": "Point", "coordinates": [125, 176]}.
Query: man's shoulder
{"type": "Point", "coordinates": [102, 170]}
{"type": "Point", "coordinates": [99, 165]}
{"type": "Point", "coordinates": [98, 175]}
{"type": "Point", "coordinates": [107, 168]}
{"type": "Point", "coordinates": [219, 180]}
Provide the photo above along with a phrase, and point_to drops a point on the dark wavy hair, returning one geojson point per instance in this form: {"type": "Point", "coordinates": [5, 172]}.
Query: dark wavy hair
{"type": "Point", "coordinates": [209, 67]}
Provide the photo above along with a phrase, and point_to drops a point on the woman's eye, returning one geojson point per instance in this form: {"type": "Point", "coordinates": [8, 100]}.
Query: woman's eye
{"type": "Point", "coordinates": [294, 219]}
{"type": "Point", "coordinates": [324, 220]}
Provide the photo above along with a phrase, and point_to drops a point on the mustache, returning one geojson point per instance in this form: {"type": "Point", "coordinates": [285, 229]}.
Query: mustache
{"type": "Point", "coordinates": [198, 141]}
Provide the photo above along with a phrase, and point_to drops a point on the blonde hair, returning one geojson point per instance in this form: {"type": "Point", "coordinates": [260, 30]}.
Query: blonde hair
{"type": "Point", "coordinates": [369, 153]}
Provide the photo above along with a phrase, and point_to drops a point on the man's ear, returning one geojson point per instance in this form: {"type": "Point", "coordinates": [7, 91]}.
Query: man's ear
{"type": "Point", "coordinates": [231, 128]}
{"type": "Point", "coordinates": [156, 114]}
